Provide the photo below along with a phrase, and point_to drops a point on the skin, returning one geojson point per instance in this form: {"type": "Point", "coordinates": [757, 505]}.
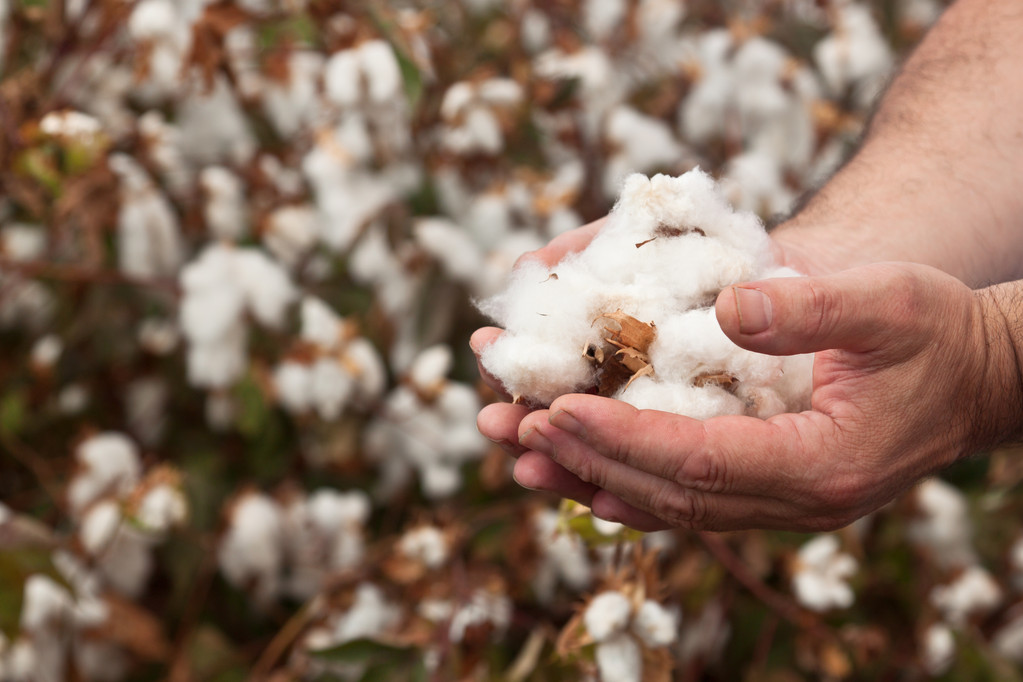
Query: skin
{"type": "Point", "coordinates": [917, 362]}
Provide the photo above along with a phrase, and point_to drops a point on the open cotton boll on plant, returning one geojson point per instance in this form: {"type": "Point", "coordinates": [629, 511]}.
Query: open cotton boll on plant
{"type": "Point", "coordinates": [632, 315]}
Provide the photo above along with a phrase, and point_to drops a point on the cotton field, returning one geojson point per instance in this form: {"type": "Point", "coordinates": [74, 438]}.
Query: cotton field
{"type": "Point", "coordinates": [243, 245]}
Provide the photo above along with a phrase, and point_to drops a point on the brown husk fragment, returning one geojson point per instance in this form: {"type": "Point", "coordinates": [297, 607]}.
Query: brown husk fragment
{"type": "Point", "coordinates": [624, 357]}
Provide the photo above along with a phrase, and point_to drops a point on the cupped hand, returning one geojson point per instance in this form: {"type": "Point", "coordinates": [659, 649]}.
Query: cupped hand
{"type": "Point", "coordinates": [912, 370]}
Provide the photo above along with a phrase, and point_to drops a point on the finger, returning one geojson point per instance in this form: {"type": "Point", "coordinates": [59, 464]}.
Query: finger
{"type": "Point", "coordinates": [858, 310]}
{"type": "Point", "coordinates": [479, 340]}
{"type": "Point", "coordinates": [537, 471]}
{"type": "Point", "coordinates": [612, 508]}
{"type": "Point", "coordinates": [677, 505]}
{"type": "Point", "coordinates": [731, 455]}
{"type": "Point", "coordinates": [564, 244]}
{"type": "Point", "coordinates": [499, 422]}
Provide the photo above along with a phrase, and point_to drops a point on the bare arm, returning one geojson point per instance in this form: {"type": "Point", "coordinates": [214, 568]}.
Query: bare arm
{"type": "Point", "coordinates": [938, 177]}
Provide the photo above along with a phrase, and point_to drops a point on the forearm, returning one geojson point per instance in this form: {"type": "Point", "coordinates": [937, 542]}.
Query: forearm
{"type": "Point", "coordinates": [939, 177]}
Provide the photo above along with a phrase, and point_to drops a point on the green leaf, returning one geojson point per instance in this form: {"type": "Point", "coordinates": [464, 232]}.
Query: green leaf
{"type": "Point", "coordinates": [12, 413]}
{"type": "Point", "coordinates": [364, 651]}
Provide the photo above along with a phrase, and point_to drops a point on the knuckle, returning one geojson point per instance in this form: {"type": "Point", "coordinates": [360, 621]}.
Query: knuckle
{"type": "Point", "coordinates": [591, 470]}
{"type": "Point", "coordinates": [824, 310]}
{"type": "Point", "coordinates": [682, 508]}
{"type": "Point", "coordinates": [701, 471]}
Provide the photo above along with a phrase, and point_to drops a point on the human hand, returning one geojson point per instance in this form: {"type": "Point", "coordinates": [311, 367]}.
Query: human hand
{"type": "Point", "coordinates": [922, 372]}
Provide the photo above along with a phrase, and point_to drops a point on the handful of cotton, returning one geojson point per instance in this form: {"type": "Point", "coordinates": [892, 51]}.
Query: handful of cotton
{"type": "Point", "coordinates": [632, 316]}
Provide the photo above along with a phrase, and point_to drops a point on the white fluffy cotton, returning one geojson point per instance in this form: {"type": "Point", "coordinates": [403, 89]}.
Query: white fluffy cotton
{"type": "Point", "coordinates": [822, 573]}
{"type": "Point", "coordinates": [669, 247]}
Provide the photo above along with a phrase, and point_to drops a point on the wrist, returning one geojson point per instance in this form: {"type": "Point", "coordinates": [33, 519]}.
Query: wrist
{"type": "Point", "coordinates": [999, 408]}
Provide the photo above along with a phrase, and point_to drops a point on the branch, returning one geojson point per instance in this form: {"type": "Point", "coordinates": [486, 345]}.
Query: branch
{"type": "Point", "coordinates": [76, 273]}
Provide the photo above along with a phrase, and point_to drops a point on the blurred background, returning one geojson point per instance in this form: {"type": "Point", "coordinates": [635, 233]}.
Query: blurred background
{"type": "Point", "coordinates": [239, 246]}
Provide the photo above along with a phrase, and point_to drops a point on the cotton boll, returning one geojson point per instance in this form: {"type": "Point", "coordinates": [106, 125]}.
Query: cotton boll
{"type": "Point", "coordinates": [457, 253]}
{"type": "Point", "coordinates": [341, 76]}
{"type": "Point", "coordinates": [602, 17]}
{"type": "Point", "coordinates": [426, 544]}
{"type": "Point", "coordinates": [109, 465]}
{"type": "Point", "coordinates": [214, 128]}
{"type": "Point", "coordinates": [21, 242]}
{"type": "Point", "coordinates": [250, 553]}
{"type": "Point", "coordinates": [939, 647]}
{"type": "Point", "coordinates": [607, 615]}
{"type": "Point", "coordinates": [320, 324]}
{"type": "Point", "coordinates": [484, 608]}
{"type": "Point", "coordinates": [1008, 641]}
{"type": "Point", "coordinates": [266, 285]}
{"type": "Point", "coordinates": [855, 55]}
{"type": "Point", "coordinates": [753, 182]}
{"type": "Point", "coordinates": [943, 527]}
{"type": "Point", "coordinates": [370, 615]}
{"type": "Point", "coordinates": [99, 526]}
{"type": "Point", "coordinates": [820, 578]}
{"type": "Point", "coordinates": [430, 368]}
{"type": "Point", "coordinates": [153, 20]}
{"type": "Point", "coordinates": [291, 232]}
{"type": "Point", "coordinates": [534, 368]}
{"type": "Point", "coordinates": [655, 625]}
{"type": "Point", "coordinates": [162, 508]}
{"type": "Point", "coordinates": [564, 557]}
{"type": "Point", "coordinates": [332, 387]}
{"type": "Point", "coordinates": [293, 386]}
{"type": "Point", "coordinates": [362, 358]}
{"type": "Point", "coordinates": [973, 592]}
{"type": "Point", "coordinates": [380, 66]}
{"type": "Point", "coordinates": [225, 209]}
{"type": "Point", "coordinates": [619, 658]}
{"type": "Point", "coordinates": [127, 561]}
{"type": "Point", "coordinates": [45, 607]}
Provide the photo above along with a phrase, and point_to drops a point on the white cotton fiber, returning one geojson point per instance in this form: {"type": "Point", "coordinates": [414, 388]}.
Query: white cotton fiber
{"type": "Point", "coordinates": [647, 282]}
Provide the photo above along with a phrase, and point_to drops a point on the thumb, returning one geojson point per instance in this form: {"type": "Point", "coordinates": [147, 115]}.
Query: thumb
{"type": "Point", "coordinates": [857, 310]}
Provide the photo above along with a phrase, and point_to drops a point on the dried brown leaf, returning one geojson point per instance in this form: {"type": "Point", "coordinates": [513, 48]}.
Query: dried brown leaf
{"type": "Point", "coordinates": [719, 378]}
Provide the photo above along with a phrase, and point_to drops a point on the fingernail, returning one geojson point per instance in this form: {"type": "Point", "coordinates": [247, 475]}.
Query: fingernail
{"type": "Point", "coordinates": [534, 440]}
{"type": "Point", "coordinates": [521, 484]}
{"type": "Point", "coordinates": [566, 422]}
{"type": "Point", "coordinates": [754, 309]}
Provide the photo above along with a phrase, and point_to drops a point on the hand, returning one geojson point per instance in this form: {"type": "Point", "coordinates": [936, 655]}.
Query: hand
{"type": "Point", "coordinates": [922, 373]}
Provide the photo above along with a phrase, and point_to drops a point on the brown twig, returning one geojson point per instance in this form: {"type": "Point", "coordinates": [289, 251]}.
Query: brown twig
{"type": "Point", "coordinates": [76, 273]}
{"type": "Point", "coordinates": [38, 465]}
{"type": "Point", "coordinates": [280, 643]}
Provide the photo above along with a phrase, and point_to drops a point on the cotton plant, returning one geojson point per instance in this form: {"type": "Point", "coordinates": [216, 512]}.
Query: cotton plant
{"type": "Point", "coordinates": [855, 57]}
{"type": "Point", "coordinates": [632, 316]}
{"type": "Point", "coordinates": [624, 626]}
{"type": "Point", "coordinates": [163, 38]}
{"type": "Point", "coordinates": [427, 427]}
{"type": "Point", "coordinates": [122, 514]}
{"type": "Point", "coordinates": [335, 368]}
{"type": "Point", "coordinates": [149, 241]}
{"type": "Point", "coordinates": [223, 287]}
{"type": "Point", "coordinates": [324, 534]}
{"type": "Point", "coordinates": [972, 593]}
